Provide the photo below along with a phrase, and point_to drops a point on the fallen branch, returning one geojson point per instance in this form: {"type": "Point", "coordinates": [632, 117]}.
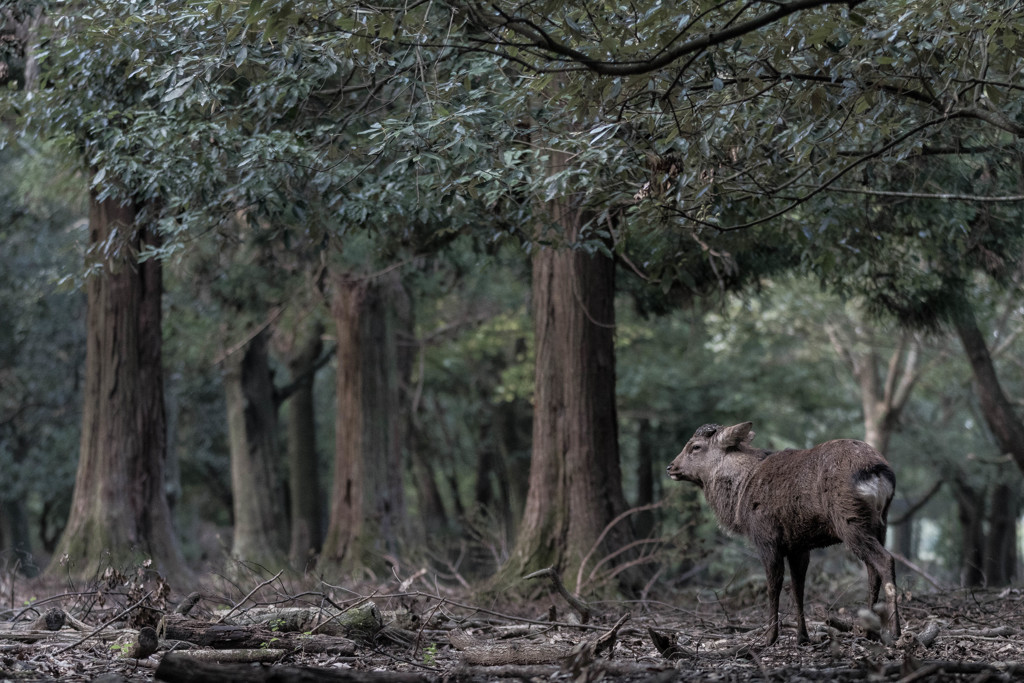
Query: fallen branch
{"type": "Point", "coordinates": [929, 634]}
{"type": "Point", "coordinates": [521, 653]}
{"type": "Point", "coordinates": [581, 608]}
{"type": "Point", "coordinates": [489, 653]}
{"type": "Point", "coordinates": [120, 615]}
{"type": "Point", "coordinates": [251, 655]}
{"type": "Point", "coordinates": [249, 595]}
{"type": "Point", "coordinates": [180, 668]}
{"type": "Point", "coordinates": [925, 575]}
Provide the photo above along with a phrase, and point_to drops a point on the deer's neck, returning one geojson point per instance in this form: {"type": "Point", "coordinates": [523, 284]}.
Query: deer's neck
{"type": "Point", "coordinates": [725, 490]}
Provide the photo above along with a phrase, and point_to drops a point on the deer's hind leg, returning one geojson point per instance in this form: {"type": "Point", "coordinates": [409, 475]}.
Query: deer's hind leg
{"type": "Point", "coordinates": [798, 561]}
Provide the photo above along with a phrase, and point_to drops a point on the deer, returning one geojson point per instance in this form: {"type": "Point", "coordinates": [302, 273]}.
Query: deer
{"type": "Point", "coordinates": [788, 502]}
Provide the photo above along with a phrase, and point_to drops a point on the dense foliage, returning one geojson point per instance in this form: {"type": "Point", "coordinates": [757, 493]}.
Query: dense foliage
{"type": "Point", "coordinates": [761, 172]}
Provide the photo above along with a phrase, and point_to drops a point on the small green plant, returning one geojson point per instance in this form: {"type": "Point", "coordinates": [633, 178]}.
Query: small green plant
{"type": "Point", "coordinates": [430, 654]}
{"type": "Point", "coordinates": [121, 648]}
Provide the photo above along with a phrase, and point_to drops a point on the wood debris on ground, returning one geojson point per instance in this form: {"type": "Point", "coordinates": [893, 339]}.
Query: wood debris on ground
{"type": "Point", "coordinates": [413, 636]}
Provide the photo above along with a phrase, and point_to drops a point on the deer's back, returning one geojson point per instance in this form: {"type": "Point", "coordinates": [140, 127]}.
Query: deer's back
{"type": "Point", "coordinates": [806, 498]}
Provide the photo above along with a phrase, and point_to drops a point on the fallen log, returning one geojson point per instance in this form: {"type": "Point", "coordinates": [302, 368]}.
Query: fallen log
{"type": "Point", "coordinates": [262, 655]}
{"type": "Point", "coordinates": [361, 622]}
{"type": "Point", "coordinates": [226, 637]}
{"type": "Point", "coordinates": [180, 668]}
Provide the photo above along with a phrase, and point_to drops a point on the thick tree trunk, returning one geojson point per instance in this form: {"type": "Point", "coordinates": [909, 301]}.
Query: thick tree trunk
{"type": "Point", "coordinates": [303, 462]}
{"type": "Point", "coordinates": [1006, 426]}
{"type": "Point", "coordinates": [257, 486]}
{"type": "Point", "coordinates": [367, 518]}
{"type": "Point", "coordinates": [575, 481]}
{"type": "Point", "coordinates": [119, 512]}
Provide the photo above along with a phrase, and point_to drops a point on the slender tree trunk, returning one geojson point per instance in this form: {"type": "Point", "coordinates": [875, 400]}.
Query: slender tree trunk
{"type": "Point", "coordinates": [503, 424]}
{"type": "Point", "coordinates": [883, 397]}
{"type": "Point", "coordinates": [367, 518]}
{"type": "Point", "coordinates": [1006, 426]}
{"type": "Point", "coordinates": [119, 511]}
{"type": "Point", "coordinates": [432, 513]}
{"type": "Point", "coordinates": [644, 478]}
{"type": "Point", "coordinates": [971, 514]}
{"type": "Point", "coordinates": [303, 462]}
{"type": "Point", "coordinates": [902, 533]}
{"type": "Point", "coordinates": [257, 485]}
{"type": "Point", "coordinates": [1001, 541]}
{"type": "Point", "coordinates": [15, 537]}
{"type": "Point", "coordinates": [575, 480]}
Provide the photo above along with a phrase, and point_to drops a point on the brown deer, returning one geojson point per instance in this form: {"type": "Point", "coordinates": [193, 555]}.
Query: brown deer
{"type": "Point", "coordinates": [789, 502]}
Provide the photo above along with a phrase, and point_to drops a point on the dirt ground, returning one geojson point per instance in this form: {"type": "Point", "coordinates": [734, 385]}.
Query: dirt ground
{"type": "Point", "coordinates": [426, 633]}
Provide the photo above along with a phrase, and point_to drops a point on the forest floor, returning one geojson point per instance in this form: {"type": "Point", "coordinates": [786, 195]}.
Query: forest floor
{"type": "Point", "coordinates": [412, 630]}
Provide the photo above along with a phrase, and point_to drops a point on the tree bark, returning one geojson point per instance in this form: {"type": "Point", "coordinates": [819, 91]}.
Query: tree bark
{"type": "Point", "coordinates": [970, 513]}
{"type": "Point", "coordinates": [367, 518]}
{"type": "Point", "coordinates": [1006, 426]}
{"type": "Point", "coordinates": [180, 668]}
{"type": "Point", "coordinates": [303, 462]}
{"type": "Point", "coordinates": [883, 397]}
{"type": "Point", "coordinates": [645, 521]}
{"type": "Point", "coordinates": [1001, 541]}
{"type": "Point", "coordinates": [15, 537]}
{"type": "Point", "coordinates": [575, 485]}
{"type": "Point", "coordinates": [432, 513]}
{"type": "Point", "coordinates": [256, 484]}
{"type": "Point", "coordinates": [119, 511]}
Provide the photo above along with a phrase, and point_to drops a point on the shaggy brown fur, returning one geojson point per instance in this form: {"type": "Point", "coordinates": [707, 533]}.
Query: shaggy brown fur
{"type": "Point", "coordinates": [792, 501]}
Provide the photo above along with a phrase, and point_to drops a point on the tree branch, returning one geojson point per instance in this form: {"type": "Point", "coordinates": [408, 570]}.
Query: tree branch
{"type": "Point", "coordinates": [542, 40]}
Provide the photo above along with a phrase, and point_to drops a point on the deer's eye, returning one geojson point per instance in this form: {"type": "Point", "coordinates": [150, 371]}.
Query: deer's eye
{"type": "Point", "coordinates": [696, 447]}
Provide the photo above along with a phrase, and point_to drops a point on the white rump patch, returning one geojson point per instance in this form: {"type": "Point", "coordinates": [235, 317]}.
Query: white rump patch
{"type": "Point", "coordinates": [877, 491]}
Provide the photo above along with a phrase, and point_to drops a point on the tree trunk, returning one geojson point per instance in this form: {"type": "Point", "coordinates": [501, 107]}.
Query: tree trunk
{"type": "Point", "coordinates": [303, 462]}
{"type": "Point", "coordinates": [119, 512]}
{"type": "Point", "coordinates": [15, 539]}
{"type": "Point", "coordinates": [1004, 423]}
{"type": "Point", "coordinates": [902, 533]}
{"type": "Point", "coordinates": [970, 513]}
{"type": "Point", "coordinates": [367, 518]}
{"type": "Point", "coordinates": [432, 514]}
{"type": "Point", "coordinates": [575, 481]}
{"type": "Point", "coordinates": [1001, 542]}
{"type": "Point", "coordinates": [883, 398]}
{"type": "Point", "coordinates": [644, 478]}
{"type": "Point", "coordinates": [256, 484]}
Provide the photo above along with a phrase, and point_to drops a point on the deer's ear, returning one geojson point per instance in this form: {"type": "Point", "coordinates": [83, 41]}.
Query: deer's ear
{"type": "Point", "coordinates": [731, 437]}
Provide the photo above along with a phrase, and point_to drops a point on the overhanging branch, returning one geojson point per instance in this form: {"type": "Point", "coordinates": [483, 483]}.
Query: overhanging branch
{"type": "Point", "coordinates": [541, 39]}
